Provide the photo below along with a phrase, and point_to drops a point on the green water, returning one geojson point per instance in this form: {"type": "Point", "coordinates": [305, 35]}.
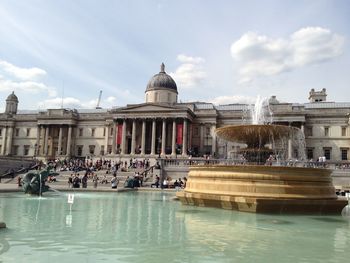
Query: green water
{"type": "Point", "coordinates": [150, 227]}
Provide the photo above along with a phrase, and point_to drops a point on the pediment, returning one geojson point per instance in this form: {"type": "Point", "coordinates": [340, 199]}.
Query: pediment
{"type": "Point", "coordinates": [148, 108]}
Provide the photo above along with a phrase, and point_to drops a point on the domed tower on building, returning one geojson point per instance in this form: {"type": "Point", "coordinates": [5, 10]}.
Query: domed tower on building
{"type": "Point", "coordinates": [161, 88]}
{"type": "Point", "coordinates": [11, 104]}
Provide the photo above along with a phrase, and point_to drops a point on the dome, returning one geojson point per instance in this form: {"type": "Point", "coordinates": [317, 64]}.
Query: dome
{"type": "Point", "coordinates": [161, 81]}
{"type": "Point", "coordinates": [12, 97]}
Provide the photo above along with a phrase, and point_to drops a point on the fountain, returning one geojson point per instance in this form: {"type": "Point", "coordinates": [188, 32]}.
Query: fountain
{"type": "Point", "coordinates": [34, 181]}
{"type": "Point", "coordinates": [256, 187]}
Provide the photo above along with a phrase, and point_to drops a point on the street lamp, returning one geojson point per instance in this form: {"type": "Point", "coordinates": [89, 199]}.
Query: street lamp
{"type": "Point", "coordinates": [35, 150]}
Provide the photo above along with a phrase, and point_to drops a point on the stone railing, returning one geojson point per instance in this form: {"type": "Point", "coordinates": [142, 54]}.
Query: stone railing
{"type": "Point", "coordinates": [344, 165]}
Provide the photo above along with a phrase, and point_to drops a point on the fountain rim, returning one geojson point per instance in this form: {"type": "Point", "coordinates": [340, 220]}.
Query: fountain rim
{"type": "Point", "coordinates": [258, 167]}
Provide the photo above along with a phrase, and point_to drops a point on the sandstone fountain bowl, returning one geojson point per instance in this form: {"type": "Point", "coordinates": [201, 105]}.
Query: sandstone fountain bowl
{"type": "Point", "coordinates": [261, 188]}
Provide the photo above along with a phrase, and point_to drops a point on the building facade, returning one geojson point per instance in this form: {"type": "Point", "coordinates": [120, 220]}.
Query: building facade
{"type": "Point", "coordinates": [161, 126]}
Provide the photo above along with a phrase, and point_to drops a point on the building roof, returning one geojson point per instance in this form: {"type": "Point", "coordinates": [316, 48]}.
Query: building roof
{"type": "Point", "coordinates": [12, 97]}
{"type": "Point", "coordinates": [326, 105]}
{"type": "Point", "coordinates": [161, 81]}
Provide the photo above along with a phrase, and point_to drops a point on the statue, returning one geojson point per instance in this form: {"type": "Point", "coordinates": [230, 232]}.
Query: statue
{"type": "Point", "coordinates": [34, 181]}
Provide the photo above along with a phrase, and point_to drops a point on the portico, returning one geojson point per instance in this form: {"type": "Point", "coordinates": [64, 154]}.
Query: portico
{"type": "Point", "coordinates": [139, 133]}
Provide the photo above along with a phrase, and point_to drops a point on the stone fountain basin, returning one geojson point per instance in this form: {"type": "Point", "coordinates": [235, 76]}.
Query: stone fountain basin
{"type": "Point", "coordinates": [256, 188]}
{"type": "Point", "coordinates": [255, 136]}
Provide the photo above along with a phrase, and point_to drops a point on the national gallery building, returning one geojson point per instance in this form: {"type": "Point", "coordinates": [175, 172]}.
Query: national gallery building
{"type": "Point", "coordinates": [163, 127]}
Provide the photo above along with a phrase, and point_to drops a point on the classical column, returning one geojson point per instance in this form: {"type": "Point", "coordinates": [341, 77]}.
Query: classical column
{"type": "Point", "coordinates": [143, 137]}
{"type": "Point", "coordinates": [37, 143]}
{"type": "Point", "coordinates": [173, 139]}
{"type": "Point", "coordinates": [133, 137]}
{"type": "Point", "coordinates": [106, 139]}
{"type": "Point", "coordinates": [302, 128]}
{"type": "Point", "coordinates": [163, 136]}
{"type": "Point", "coordinates": [290, 153]}
{"type": "Point", "coordinates": [47, 130]}
{"type": "Point", "coordinates": [114, 138]}
{"type": "Point", "coordinates": [123, 137]}
{"type": "Point", "coordinates": [3, 140]}
{"type": "Point", "coordinates": [153, 142]}
{"type": "Point", "coordinates": [213, 140]}
{"type": "Point", "coordinates": [69, 140]}
{"type": "Point", "coordinates": [201, 140]}
{"type": "Point", "coordinates": [9, 141]}
{"type": "Point", "coordinates": [184, 138]}
{"type": "Point", "coordinates": [60, 141]}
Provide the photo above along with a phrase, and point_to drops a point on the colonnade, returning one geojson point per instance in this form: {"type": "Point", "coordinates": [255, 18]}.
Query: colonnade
{"type": "Point", "coordinates": [42, 139]}
{"type": "Point", "coordinates": [7, 137]}
{"type": "Point", "coordinates": [152, 139]}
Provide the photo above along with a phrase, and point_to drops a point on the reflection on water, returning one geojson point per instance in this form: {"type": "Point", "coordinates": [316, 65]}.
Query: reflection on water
{"type": "Point", "coordinates": [150, 227]}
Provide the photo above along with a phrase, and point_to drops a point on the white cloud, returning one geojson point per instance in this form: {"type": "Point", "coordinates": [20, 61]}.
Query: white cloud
{"type": "Point", "coordinates": [111, 99]}
{"type": "Point", "coordinates": [186, 59]}
{"type": "Point", "coordinates": [74, 103]}
{"type": "Point", "coordinates": [31, 87]}
{"type": "Point", "coordinates": [22, 73]}
{"type": "Point", "coordinates": [13, 78]}
{"type": "Point", "coordinates": [190, 73]}
{"type": "Point", "coordinates": [222, 100]}
{"type": "Point", "coordinates": [259, 55]}
{"type": "Point", "coordinates": [56, 103]}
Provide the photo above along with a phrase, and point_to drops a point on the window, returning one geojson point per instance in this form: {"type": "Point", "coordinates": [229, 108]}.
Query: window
{"type": "Point", "coordinates": [207, 131]}
{"type": "Point", "coordinates": [92, 149]}
{"type": "Point", "coordinates": [0, 132]}
{"type": "Point", "coordinates": [104, 132]}
{"type": "Point", "coordinates": [28, 132]}
{"type": "Point", "coordinates": [0, 148]}
{"type": "Point", "coordinates": [26, 150]}
{"type": "Point", "coordinates": [344, 154]}
{"type": "Point", "coordinates": [93, 132]}
{"type": "Point", "coordinates": [308, 131]}
{"type": "Point", "coordinates": [17, 132]}
{"type": "Point", "coordinates": [327, 153]}
{"type": "Point", "coordinates": [109, 149]}
{"type": "Point", "coordinates": [196, 131]}
{"type": "Point", "coordinates": [295, 153]}
{"type": "Point", "coordinates": [102, 151]}
{"type": "Point", "coordinates": [111, 133]}
{"type": "Point", "coordinates": [15, 149]}
{"type": "Point", "coordinates": [80, 132]}
{"type": "Point", "coordinates": [326, 131]}
{"type": "Point", "coordinates": [80, 150]}
{"type": "Point", "coordinates": [310, 153]}
{"type": "Point", "coordinates": [343, 131]}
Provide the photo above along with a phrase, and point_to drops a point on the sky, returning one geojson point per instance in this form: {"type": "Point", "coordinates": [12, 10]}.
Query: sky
{"type": "Point", "coordinates": [63, 53]}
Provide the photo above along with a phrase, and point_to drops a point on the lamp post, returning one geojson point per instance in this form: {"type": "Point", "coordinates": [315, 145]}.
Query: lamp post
{"type": "Point", "coordinates": [35, 150]}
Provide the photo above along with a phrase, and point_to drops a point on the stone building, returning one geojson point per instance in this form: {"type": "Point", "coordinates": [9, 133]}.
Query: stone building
{"type": "Point", "coordinates": [161, 126]}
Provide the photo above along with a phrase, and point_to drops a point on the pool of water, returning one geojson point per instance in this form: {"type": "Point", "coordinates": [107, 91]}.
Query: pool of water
{"type": "Point", "coordinates": [151, 227]}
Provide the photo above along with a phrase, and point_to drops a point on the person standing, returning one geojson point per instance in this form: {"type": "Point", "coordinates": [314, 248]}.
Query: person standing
{"type": "Point", "coordinates": [84, 181]}
{"type": "Point", "coordinates": [94, 180]}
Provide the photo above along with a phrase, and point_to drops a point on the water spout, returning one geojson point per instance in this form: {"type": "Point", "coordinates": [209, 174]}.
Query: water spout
{"type": "Point", "coordinates": [261, 112]}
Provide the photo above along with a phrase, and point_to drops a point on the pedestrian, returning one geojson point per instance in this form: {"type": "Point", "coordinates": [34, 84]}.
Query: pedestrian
{"type": "Point", "coordinates": [70, 181]}
{"type": "Point", "coordinates": [114, 182]}
{"type": "Point", "coordinates": [94, 180]}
